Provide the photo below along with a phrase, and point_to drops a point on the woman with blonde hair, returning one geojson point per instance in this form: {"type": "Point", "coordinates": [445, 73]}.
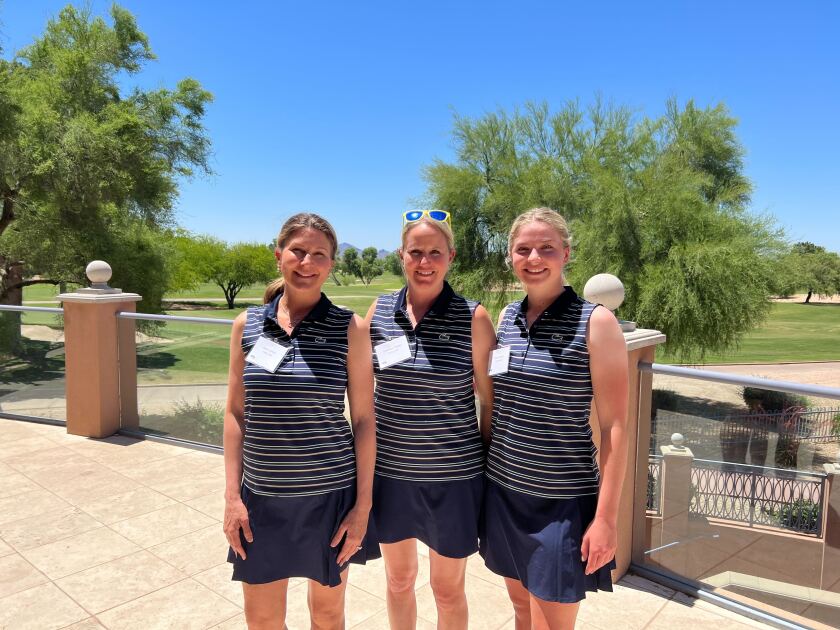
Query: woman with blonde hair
{"type": "Point", "coordinates": [298, 479]}
{"type": "Point", "coordinates": [431, 349]}
{"type": "Point", "coordinates": [549, 525]}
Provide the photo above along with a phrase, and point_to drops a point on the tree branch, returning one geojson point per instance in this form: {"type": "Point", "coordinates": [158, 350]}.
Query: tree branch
{"type": "Point", "coordinates": [8, 213]}
{"type": "Point", "coordinates": [29, 283]}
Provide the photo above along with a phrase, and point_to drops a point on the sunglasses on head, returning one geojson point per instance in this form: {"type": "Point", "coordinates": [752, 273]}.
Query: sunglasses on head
{"type": "Point", "coordinates": [434, 215]}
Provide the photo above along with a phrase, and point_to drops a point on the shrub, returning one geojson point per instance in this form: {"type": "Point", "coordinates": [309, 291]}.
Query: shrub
{"type": "Point", "coordinates": [801, 515]}
{"type": "Point", "coordinates": [199, 421]}
{"type": "Point", "coordinates": [758, 399]}
{"type": "Point", "coordinates": [664, 399]}
{"type": "Point", "coordinates": [835, 425]}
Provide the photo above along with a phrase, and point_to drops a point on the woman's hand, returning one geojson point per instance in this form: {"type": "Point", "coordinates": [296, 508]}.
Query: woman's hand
{"type": "Point", "coordinates": [599, 544]}
{"type": "Point", "coordinates": [236, 518]}
{"type": "Point", "coordinates": [354, 526]}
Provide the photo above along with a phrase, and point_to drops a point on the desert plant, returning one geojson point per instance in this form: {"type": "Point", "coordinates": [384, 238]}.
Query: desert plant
{"type": "Point", "coordinates": [801, 515]}
{"type": "Point", "coordinates": [768, 400]}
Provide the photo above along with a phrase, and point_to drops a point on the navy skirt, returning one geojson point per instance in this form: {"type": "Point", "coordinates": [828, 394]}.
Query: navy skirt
{"type": "Point", "coordinates": [537, 541]}
{"type": "Point", "coordinates": [444, 514]}
{"type": "Point", "coordinates": [292, 538]}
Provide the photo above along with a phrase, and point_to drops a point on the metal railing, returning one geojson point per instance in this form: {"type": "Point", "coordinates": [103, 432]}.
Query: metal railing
{"type": "Point", "coordinates": [757, 495]}
{"type": "Point", "coordinates": [173, 318]}
{"type": "Point", "coordinates": [654, 484]}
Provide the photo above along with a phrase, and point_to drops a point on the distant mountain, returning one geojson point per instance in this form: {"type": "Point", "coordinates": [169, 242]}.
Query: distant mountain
{"type": "Point", "coordinates": [345, 246]}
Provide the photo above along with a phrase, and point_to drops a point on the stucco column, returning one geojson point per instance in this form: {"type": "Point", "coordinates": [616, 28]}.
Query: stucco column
{"type": "Point", "coordinates": [831, 529]}
{"type": "Point", "coordinates": [676, 498]}
{"type": "Point", "coordinates": [95, 372]}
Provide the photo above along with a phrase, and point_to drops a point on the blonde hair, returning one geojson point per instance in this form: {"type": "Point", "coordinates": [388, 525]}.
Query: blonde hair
{"type": "Point", "coordinates": [547, 216]}
{"type": "Point", "coordinates": [293, 224]}
{"type": "Point", "coordinates": [441, 226]}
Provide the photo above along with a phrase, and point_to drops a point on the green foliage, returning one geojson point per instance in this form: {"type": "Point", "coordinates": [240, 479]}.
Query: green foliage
{"type": "Point", "coordinates": [802, 515]}
{"type": "Point", "coordinates": [811, 268]}
{"type": "Point", "coordinates": [393, 264]}
{"type": "Point", "coordinates": [365, 267]}
{"type": "Point", "coordinates": [771, 401]}
{"type": "Point", "coordinates": [88, 163]}
{"type": "Point", "coordinates": [664, 399]}
{"type": "Point", "coordinates": [835, 425]}
{"type": "Point", "coordinates": [230, 267]}
{"type": "Point", "coordinates": [197, 421]}
{"type": "Point", "coordinates": [661, 203]}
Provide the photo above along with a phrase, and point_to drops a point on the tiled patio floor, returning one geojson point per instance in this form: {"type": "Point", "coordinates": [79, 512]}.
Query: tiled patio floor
{"type": "Point", "coordinates": [121, 533]}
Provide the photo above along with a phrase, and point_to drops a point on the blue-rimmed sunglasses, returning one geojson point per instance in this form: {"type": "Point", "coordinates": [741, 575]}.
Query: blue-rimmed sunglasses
{"type": "Point", "coordinates": [435, 215]}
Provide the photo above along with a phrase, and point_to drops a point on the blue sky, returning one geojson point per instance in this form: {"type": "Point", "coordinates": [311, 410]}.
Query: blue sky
{"type": "Point", "coordinates": [336, 107]}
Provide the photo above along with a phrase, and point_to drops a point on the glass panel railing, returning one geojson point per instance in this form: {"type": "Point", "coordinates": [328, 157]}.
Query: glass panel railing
{"type": "Point", "coordinates": [32, 380]}
{"type": "Point", "coordinates": [182, 378]}
{"type": "Point", "coordinates": [738, 494]}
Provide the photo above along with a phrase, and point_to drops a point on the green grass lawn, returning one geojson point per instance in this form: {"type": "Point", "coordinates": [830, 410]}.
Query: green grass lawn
{"type": "Point", "coordinates": [792, 332]}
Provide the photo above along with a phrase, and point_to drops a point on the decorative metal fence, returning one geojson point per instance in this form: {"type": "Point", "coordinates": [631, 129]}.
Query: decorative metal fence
{"type": "Point", "coordinates": [758, 496]}
{"type": "Point", "coordinates": [817, 425]}
{"type": "Point", "coordinates": [654, 487]}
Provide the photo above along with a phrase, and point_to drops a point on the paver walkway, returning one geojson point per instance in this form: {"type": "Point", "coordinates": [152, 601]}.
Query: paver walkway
{"type": "Point", "coordinates": [122, 534]}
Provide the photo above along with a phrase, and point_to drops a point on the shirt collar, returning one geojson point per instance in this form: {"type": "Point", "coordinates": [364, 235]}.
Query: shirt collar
{"type": "Point", "coordinates": [318, 312]}
{"type": "Point", "coordinates": [557, 306]}
{"type": "Point", "coordinates": [439, 306]}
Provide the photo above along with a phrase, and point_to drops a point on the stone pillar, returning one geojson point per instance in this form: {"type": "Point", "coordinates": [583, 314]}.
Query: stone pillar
{"type": "Point", "coordinates": [100, 356]}
{"type": "Point", "coordinates": [675, 478]}
{"type": "Point", "coordinates": [641, 345]}
{"type": "Point", "coordinates": [830, 580]}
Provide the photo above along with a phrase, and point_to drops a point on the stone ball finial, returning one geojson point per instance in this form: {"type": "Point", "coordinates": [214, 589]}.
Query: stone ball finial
{"type": "Point", "coordinates": [98, 272]}
{"type": "Point", "coordinates": [678, 440]}
{"type": "Point", "coordinates": [606, 289]}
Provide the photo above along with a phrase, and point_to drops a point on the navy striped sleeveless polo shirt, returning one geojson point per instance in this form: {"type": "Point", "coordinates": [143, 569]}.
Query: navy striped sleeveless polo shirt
{"type": "Point", "coordinates": [426, 426]}
{"type": "Point", "coordinates": [297, 441]}
{"type": "Point", "coordinates": [541, 439]}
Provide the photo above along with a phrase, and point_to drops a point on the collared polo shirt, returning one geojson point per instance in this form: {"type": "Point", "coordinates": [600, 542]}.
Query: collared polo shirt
{"type": "Point", "coordinates": [426, 426]}
{"type": "Point", "coordinates": [297, 440]}
{"type": "Point", "coordinates": [541, 440]}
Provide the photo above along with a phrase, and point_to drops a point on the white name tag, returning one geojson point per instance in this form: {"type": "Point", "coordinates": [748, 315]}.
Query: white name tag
{"type": "Point", "coordinates": [392, 352]}
{"type": "Point", "coordinates": [499, 361]}
{"type": "Point", "coordinates": [267, 354]}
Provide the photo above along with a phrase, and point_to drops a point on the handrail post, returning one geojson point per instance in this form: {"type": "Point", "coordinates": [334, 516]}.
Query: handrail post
{"type": "Point", "coordinates": [95, 373]}
{"type": "Point", "coordinates": [830, 523]}
{"type": "Point", "coordinates": [675, 477]}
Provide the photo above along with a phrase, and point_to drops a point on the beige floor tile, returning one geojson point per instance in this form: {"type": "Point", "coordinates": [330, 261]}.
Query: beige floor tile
{"type": "Point", "coordinates": [55, 458]}
{"type": "Point", "coordinates": [80, 552]}
{"type": "Point", "coordinates": [359, 605]}
{"type": "Point", "coordinates": [196, 551]}
{"type": "Point", "coordinates": [88, 624]}
{"type": "Point", "coordinates": [43, 529]}
{"type": "Point", "coordinates": [627, 607]}
{"type": "Point", "coordinates": [163, 470]}
{"type": "Point", "coordinates": [217, 579]}
{"type": "Point", "coordinates": [15, 484]}
{"type": "Point", "coordinates": [489, 605]}
{"type": "Point", "coordinates": [161, 525]}
{"type": "Point", "coordinates": [16, 574]}
{"type": "Point", "coordinates": [185, 605]}
{"type": "Point", "coordinates": [213, 505]}
{"type": "Point", "coordinates": [204, 459]}
{"type": "Point", "coordinates": [476, 567]}
{"type": "Point", "coordinates": [118, 581]}
{"type": "Point", "coordinates": [190, 486]}
{"type": "Point", "coordinates": [97, 486]}
{"type": "Point", "coordinates": [42, 607]}
{"type": "Point", "coordinates": [234, 623]}
{"type": "Point", "coordinates": [33, 503]}
{"type": "Point", "coordinates": [379, 621]}
{"type": "Point", "coordinates": [25, 446]}
{"type": "Point", "coordinates": [12, 430]}
{"type": "Point", "coordinates": [5, 549]}
{"type": "Point", "coordinates": [124, 506]}
{"type": "Point", "coordinates": [683, 613]}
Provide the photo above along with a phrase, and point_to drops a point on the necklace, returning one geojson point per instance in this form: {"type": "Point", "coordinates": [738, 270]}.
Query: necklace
{"type": "Point", "coordinates": [285, 309]}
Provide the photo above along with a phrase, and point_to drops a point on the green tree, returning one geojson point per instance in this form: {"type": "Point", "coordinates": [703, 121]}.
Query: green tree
{"type": "Point", "coordinates": [370, 267]}
{"type": "Point", "coordinates": [392, 264]}
{"type": "Point", "coordinates": [813, 268]}
{"type": "Point", "coordinates": [89, 165]}
{"type": "Point", "coordinates": [351, 263]}
{"type": "Point", "coordinates": [661, 203]}
{"type": "Point", "coordinates": [230, 267]}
